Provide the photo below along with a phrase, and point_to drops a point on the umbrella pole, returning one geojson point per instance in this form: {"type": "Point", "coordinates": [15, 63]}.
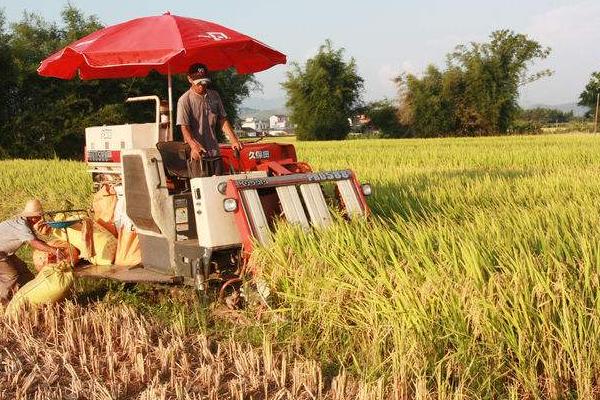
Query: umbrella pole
{"type": "Point", "coordinates": [170, 104]}
{"type": "Point", "coordinates": [69, 248]}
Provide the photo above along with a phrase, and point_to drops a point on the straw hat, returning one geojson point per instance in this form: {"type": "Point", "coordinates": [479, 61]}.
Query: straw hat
{"type": "Point", "coordinates": [33, 208]}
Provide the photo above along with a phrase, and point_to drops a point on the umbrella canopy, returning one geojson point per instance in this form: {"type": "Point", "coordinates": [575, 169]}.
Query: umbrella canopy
{"type": "Point", "coordinates": [167, 44]}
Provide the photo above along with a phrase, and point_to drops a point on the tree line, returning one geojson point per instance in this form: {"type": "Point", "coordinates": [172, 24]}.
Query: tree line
{"type": "Point", "coordinates": [475, 93]}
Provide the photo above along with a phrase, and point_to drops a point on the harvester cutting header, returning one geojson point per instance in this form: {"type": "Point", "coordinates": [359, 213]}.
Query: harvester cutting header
{"type": "Point", "coordinates": [197, 209]}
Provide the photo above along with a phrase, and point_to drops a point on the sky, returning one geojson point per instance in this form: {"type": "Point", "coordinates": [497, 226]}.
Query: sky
{"type": "Point", "coordinates": [385, 37]}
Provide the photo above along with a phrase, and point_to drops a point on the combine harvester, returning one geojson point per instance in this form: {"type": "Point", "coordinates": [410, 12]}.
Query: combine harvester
{"type": "Point", "coordinates": [198, 228]}
{"type": "Point", "coordinates": [193, 227]}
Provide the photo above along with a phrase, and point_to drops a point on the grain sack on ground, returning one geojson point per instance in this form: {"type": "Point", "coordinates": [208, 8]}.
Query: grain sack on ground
{"type": "Point", "coordinates": [128, 250]}
{"type": "Point", "coordinates": [104, 203]}
{"type": "Point", "coordinates": [50, 285]}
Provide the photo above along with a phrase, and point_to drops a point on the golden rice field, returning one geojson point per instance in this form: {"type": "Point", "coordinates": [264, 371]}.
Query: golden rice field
{"type": "Point", "coordinates": [477, 277]}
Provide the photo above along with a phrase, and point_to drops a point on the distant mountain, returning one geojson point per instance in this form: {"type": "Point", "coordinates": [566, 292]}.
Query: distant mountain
{"type": "Point", "coordinates": [578, 110]}
{"type": "Point", "coordinates": [246, 112]}
{"type": "Point", "coordinates": [262, 108]}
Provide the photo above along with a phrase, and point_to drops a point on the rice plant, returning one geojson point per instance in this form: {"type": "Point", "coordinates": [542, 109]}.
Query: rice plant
{"type": "Point", "coordinates": [479, 274]}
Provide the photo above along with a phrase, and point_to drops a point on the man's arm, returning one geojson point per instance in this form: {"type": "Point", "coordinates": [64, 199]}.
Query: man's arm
{"type": "Point", "coordinates": [40, 245]}
{"type": "Point", "coordinates": [196, 147]}
{"type": "Point", "coordinates": [226, 126]}
{"type": "Point", "coordinates": [27, 235]}
{"type": "Point", "coordinates": [228, 130]}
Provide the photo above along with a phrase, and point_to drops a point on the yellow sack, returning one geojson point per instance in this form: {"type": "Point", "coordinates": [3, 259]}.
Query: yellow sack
{"type": "Point", "coordinates": [50, 285]}
{"type": "Point", "coordinates": [104, 204]}
{"type": "Point", "coordinates": [105, 244]}
{"type": "Point", "coordinates": [128, 249]}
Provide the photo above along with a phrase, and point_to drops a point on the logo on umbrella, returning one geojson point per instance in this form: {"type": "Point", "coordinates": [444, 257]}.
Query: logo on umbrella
{"type": "Point", "coordinates": [215, 36]}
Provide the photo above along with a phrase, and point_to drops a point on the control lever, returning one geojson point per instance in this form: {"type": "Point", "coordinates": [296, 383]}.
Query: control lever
{"type": "Point", "coordinates": [236, 155]}
{"type": "Point", "coordinates": [196, 167]}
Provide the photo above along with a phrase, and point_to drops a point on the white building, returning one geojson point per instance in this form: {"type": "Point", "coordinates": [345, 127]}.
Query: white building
{"type": "Point", "coordinates": [281, 122]}
{"type": "Point", "coordinates": [257, 125]}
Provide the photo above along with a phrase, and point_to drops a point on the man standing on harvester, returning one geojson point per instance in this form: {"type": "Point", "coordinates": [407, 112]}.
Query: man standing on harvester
{"type": "Point", "coordinates": [14, 233]}
{"type": "Point", "coordinates": [199, 112]}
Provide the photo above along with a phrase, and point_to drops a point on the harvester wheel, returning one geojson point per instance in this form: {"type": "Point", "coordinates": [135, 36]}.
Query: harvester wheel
{"type": "Point", "coordinates": [229, 294]}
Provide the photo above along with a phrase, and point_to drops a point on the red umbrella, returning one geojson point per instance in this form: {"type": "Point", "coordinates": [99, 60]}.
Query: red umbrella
{"type": "Point", "coordinates": [167, 44]}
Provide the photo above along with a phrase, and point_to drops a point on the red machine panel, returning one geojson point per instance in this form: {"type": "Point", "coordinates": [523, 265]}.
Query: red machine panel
{"type": "Point", "coordinates": [255, 155]}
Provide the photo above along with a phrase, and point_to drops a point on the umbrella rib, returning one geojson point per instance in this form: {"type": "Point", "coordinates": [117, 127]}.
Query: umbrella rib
{"type": "Point", "coordinates": [176, 22]}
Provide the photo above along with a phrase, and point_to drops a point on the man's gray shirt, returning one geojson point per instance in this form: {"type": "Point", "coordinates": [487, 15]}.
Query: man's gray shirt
{"type": "Point", "coordinates": [202, 113]}
{"type": "Point", "coordinates": [14, 233]}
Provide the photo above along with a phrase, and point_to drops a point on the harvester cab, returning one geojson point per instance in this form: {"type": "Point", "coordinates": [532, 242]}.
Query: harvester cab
{"type": "Point", "coordinates": [197, 222]}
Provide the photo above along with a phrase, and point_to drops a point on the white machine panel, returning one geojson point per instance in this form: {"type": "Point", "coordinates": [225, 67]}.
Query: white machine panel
{"type": "Point", "coordinates": [105, 143]}
{"type": "Point", "coordinates": [292, 205]}
{"type": "Point", "coordinates": [215, 226]}
{"type": "Point", "coordinates": [161, 205]}
{"type": "Point", "coordinates": [316, 204]}
{"type": "Point", "coordinates": [257, 214]}
{"type": "Point", "coordinates": [349, 197]}
{"type": "Point", "coordinates": [119, 137]}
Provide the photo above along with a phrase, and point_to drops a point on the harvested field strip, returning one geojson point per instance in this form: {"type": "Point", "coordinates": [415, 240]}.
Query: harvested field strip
{"type": "Point", "coordinates": [71, 352]}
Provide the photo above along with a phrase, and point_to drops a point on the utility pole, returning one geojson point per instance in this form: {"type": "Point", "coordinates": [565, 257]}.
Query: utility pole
{"type": "Point", "coordinates": [597, 107]}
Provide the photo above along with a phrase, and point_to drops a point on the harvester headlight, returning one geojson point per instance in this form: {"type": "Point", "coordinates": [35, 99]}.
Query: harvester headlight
{"type": "Point", "coordinates": [230, 205]}
{"type": "Point", "coordinates": [366, 189]}
{"type": "Point", "coordinates": [222, 187]}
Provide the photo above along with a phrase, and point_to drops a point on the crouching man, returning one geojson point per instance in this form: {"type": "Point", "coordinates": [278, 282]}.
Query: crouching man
{"type": "Point", "coordinates": [14, 233]}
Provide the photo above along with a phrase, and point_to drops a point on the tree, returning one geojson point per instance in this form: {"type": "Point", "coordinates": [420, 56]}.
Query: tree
{"type": "Point", "coordinates": [233, 89]}
{"type": "Point", "coordinates": [384, 117]}
{"type": "Point", "coordinates": [477, 93]}
{"type": "Point", "coordinates": [426, 106]}
{"type": "Point", "coordinates": [588, 97]}
{"type": "Point", "coordinates": [8, 82]}
{"type": "Point", "coordinates": [322, 94]}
